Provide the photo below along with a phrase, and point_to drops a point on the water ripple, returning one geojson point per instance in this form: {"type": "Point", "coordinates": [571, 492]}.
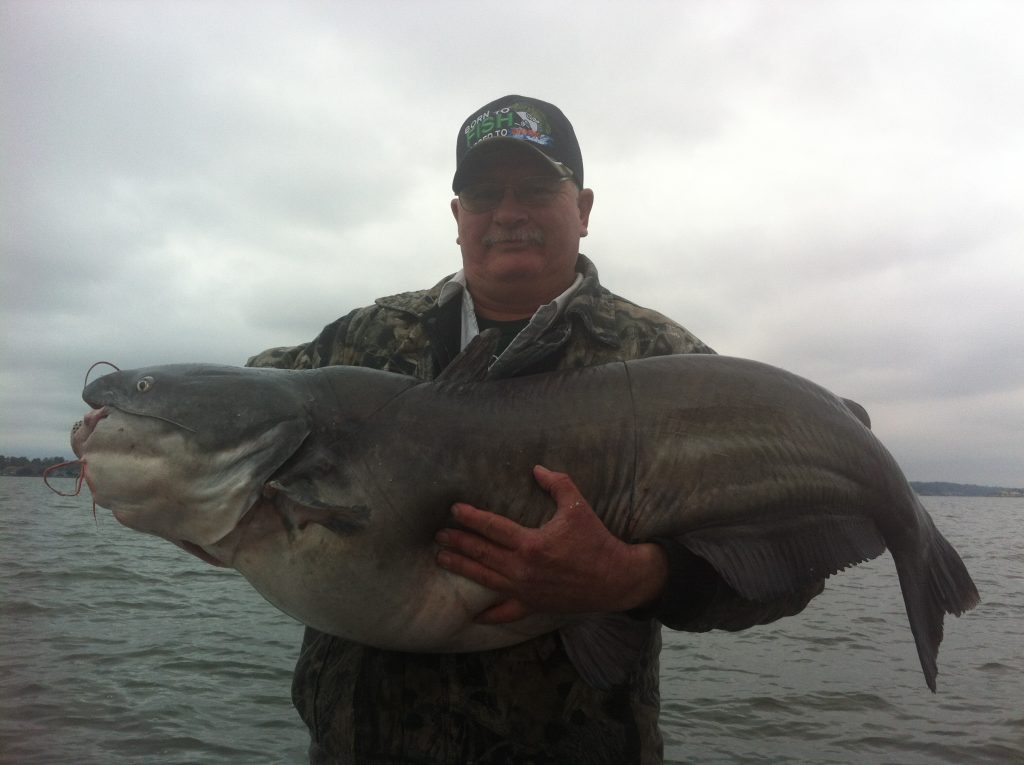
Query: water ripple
{"type": "Point", "coordinates": [116, 648]}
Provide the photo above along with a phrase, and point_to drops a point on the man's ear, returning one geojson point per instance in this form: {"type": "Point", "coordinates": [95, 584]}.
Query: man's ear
{"type": "Point", "coordinates": [455, 214]}
{"type": "Point", "coordinates": [585, 202]}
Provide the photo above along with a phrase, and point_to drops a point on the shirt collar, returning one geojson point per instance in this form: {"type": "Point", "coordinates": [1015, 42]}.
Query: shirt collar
{"type": "Point", "coordinates": [542, 318]}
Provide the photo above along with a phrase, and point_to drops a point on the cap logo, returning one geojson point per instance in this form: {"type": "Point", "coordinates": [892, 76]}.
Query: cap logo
{"type": "Point", "coordinates": [518, 120]}
{"type": "Point", "coordinates": [538, 124]}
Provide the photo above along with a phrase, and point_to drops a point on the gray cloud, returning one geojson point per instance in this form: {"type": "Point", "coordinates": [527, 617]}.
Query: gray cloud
{"type": "Point", "coordinates": [831, 188]}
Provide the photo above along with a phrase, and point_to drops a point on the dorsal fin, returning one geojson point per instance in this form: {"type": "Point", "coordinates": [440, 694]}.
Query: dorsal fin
{"type": "Point", "coordinates": [472, 364]}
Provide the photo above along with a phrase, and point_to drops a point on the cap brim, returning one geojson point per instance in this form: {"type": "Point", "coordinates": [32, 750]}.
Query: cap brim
{"type": "Point", "coordinates": [495, 145]}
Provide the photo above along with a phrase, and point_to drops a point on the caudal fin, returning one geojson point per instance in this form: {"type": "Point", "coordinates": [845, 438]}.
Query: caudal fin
{"type": "Point", "coordinates": [935, 582]}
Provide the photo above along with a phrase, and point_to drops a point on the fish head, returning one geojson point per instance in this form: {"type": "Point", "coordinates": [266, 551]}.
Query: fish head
{"type": "Point", "coordinates": [183, 451]}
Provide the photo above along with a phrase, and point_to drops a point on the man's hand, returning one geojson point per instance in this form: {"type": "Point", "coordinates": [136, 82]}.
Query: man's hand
{"type": "Point", "coordinates": [571, 564]}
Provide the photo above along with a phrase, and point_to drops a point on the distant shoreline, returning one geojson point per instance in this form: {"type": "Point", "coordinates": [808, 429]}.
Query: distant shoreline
{"type": "Point", "coordinates": [945, 489]}
{"type": "Point", "coordinates": [33, 467]}
{"type": "Point", "coordinates": [25, 467]}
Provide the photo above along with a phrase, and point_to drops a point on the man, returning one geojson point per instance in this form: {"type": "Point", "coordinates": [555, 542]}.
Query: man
{"type": "Point", "coordinates": [520, 209]}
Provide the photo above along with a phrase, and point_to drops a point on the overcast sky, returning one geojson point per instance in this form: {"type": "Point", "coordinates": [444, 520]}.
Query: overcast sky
{"type": "Point", "coordinates": [832, 187]}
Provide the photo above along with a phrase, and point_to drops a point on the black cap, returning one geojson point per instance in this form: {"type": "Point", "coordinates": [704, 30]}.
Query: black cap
{"type": "Point", "coordinates": [527, 121]}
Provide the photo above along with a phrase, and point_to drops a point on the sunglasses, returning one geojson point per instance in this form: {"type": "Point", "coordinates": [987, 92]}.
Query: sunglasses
{"type": "Point", "coordinates": [531, 192]}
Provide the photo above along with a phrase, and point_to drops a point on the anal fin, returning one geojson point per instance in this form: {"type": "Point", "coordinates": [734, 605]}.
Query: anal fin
{"type": "Point", "coordinates": [763, 563]}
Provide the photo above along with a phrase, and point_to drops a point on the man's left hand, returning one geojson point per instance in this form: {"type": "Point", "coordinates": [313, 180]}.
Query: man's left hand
{"type": "Point", "coordinates": [571, 564]}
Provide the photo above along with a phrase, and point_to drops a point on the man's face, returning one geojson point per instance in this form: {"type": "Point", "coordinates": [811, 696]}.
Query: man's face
{"type": "Point", "coordinates": [518, 246]}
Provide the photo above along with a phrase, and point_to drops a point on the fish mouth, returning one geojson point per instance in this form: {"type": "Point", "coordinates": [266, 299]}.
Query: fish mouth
{"type": "Point", "coordinates": [82, 430]}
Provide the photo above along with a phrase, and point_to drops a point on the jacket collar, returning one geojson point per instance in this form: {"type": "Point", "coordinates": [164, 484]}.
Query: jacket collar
{"type": "Point", "coordinates": [591, 303]}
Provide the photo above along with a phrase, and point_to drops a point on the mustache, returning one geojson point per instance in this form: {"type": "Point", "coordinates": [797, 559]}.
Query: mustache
{"type": "Point", "coordinates": [524, 236]}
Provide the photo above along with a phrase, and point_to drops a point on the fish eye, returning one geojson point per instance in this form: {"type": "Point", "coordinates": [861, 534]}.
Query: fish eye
{"type": "Point", "coordinates": [144, 384]}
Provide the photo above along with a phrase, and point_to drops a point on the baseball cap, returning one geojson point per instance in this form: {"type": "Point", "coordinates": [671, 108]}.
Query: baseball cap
{"type": "Point", "coordinates": [527, 121]}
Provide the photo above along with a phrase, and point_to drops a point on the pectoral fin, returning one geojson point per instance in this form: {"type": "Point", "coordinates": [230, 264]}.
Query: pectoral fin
{"type": "Point", "coordinates": [301, 503]}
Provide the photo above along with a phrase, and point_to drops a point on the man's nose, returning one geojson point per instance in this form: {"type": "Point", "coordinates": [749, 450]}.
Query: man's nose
{"type": "Point", "coordinates": [510, 208]}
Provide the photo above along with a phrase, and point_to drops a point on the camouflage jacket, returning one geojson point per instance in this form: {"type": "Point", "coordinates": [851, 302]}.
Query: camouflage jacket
{"type": "Point", "coordinates": [526, 703]}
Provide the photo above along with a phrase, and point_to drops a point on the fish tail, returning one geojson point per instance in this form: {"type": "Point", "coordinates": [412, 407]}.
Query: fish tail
{"type": "Point", "coordinates": [934, 584]}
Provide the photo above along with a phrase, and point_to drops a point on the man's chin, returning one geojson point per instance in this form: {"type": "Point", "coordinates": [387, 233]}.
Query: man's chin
{"type": "Point", "coordinates": [518, 267]}
{"type": "Point", "coordinates": [512, 248]}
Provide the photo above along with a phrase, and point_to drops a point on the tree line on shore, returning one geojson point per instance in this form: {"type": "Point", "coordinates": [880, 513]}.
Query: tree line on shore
{"type": "Point", "coordinates": [34, 466]}
{"type": "Point", "coordinates": [946, 489]}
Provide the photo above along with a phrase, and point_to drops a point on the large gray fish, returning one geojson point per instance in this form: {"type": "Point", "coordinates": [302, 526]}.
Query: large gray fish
{"type": "Point", "coordinates": [325, 487]}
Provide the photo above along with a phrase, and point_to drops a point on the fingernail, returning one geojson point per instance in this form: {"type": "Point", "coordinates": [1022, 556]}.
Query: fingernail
{"type": "Point", "coordinates": [442, 538]}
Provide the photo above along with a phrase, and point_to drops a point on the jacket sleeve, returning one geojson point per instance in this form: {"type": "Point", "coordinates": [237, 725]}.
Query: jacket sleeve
{"type": "Point", "coordinates": [284, 357]}
{"type": "Point", "coordinates": [329, 347]}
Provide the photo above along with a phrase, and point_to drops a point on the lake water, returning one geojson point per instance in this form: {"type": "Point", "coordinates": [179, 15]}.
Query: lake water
{"type": "Point", "coordinates": [119, 648]}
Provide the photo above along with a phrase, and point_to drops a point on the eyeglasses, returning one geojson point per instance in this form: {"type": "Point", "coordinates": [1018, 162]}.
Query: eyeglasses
{"type": "Point", "coordinates": [532, 192]}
